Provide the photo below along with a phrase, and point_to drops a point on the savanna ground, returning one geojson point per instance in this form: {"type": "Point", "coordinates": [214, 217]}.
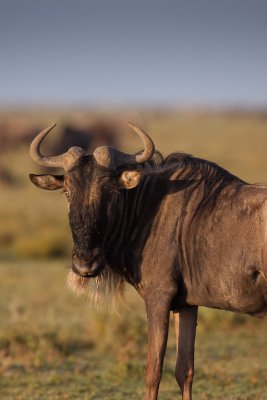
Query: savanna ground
{"type": "Point", "coordinates": [53, 345]}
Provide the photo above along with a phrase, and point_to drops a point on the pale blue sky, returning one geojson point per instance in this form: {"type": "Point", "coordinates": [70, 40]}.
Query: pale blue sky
{"type": "Point", "coordinates": [138, 52]}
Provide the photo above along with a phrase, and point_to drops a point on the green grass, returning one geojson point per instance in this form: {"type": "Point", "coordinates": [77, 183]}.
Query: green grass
{"type": "Point", "coordinates": [54, 346]}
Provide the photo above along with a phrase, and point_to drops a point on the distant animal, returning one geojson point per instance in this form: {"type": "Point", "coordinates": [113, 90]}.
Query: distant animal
{"type": "Point", "coordinates": [183, 231]}
{"type": "Point", "coordinates": [89, 137]}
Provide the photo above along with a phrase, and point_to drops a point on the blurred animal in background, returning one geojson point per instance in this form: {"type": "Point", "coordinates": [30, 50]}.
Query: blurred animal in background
{"type": "Point", "coordinates": [183, 231]}
{"type": "Point", "coordinates": [14, 134]}
{"type": "Point", "coordinates": [89, 138]}
{"type": "Point", "coordinates": [88, 135]}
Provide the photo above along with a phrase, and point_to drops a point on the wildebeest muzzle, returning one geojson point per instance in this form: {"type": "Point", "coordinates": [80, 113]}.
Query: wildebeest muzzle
{"type": "Point", "coordinates": [88, 266]}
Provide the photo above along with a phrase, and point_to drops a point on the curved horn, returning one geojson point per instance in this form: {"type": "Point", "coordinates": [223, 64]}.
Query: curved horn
{"type": "Point", "coordinates": [109, 157]}
{"type": "Point", "coordinates": [65, 160]}
{"type": "Point", "coordinates": [149, 146]}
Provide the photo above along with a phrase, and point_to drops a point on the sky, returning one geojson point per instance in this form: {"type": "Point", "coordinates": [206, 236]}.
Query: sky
{"type": "Point", "coordinates": [133, 52]}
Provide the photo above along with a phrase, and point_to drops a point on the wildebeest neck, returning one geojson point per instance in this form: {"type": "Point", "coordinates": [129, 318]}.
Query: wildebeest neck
{"type": "Point", "coordinates": [180, 183]}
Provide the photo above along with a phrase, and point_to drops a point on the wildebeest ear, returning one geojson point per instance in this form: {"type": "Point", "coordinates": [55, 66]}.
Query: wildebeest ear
{"type": "Point", "coordinates": [130, 179]}
{"type": "Point", "coordinates": [48, 182]}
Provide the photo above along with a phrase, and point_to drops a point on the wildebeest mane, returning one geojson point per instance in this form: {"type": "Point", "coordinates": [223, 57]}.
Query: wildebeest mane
{"type": "Point", "coordinates": [213, 177]}
{"type": "Point", "coordinates": [193, 171]}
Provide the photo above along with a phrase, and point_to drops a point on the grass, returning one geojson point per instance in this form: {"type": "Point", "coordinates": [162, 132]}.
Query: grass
{"type": "Point", "coordinates": [54, 346]}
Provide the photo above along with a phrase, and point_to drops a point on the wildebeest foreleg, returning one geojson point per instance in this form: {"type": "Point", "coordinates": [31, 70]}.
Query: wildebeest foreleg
{"type": "Point", "coordinates": [158, 323]}
{"type": "Point", "coordinates": [185, 323]}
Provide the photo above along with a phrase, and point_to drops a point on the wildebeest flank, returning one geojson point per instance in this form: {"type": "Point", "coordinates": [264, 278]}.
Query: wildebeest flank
{"type": "Point", "coordinates": [183, 231]}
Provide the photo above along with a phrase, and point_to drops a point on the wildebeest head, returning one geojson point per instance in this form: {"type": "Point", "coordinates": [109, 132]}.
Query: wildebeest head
{"type": "Point", "coordinates": [89, 182]}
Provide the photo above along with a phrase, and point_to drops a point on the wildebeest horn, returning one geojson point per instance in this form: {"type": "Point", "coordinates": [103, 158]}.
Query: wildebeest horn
{"type": "Point", "coordinates": [65, 160]}
{"type": "Point", "coordinates": [109, 157]}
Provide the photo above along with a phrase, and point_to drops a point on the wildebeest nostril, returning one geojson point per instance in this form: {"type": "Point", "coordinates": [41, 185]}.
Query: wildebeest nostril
{"type": "Point", "coordinates": [80, 266]}
{"type": "Point", "coordinates": [89, 266]}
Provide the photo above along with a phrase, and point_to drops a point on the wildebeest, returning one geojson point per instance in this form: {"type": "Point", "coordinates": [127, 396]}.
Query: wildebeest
{"type": "Point", "coordinates": [20, 131]}
{"type": "Point", "coordinates": [183, 231]}
{"type": "Point", "coordinates": [88, 136]}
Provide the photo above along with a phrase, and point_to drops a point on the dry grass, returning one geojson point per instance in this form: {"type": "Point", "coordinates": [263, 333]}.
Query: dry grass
{"type": "Point", "coordinates": [54, 346]}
